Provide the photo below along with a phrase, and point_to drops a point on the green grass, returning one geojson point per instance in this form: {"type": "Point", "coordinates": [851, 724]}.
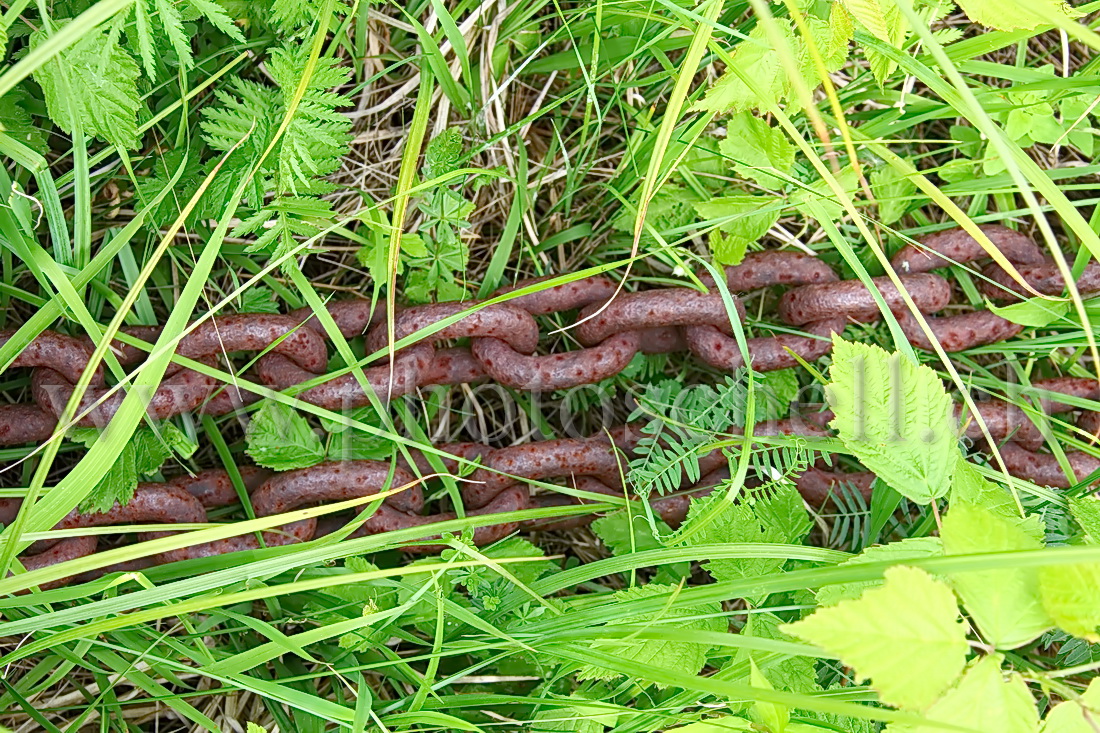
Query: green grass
{"type": "Point", "coordinates": [304, 152]}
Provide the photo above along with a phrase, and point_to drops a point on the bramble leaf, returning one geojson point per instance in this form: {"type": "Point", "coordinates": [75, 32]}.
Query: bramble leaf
{"type": "Point", "coordinates": [1004, 602]}
{"type": "Point", "coordinates": [1010, 15]}
{"type": "Point", "coordinates": [906, 636]}
{"type": "Point", "coordinates": [985, 699]}
{"type": "Point", "coordinates": [912, 548]}
{"type": "Point", "coordinates": [1071, 595]}
{"type": "Point", "coordinates": [911, 444]}
{"type": "Point", "coordinates": [1075, 716]}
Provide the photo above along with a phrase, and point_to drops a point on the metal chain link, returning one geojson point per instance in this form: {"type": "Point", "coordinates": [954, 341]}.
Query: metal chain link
{"type": "Point", "coordinates": [504, 338]}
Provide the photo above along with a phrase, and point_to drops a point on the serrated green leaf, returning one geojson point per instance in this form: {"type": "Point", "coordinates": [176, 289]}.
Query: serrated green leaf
{"type": "Point", "coordinates": [791, 674]}
{"type": "Point", "coordinates": [906, 637]}
{"type": "Point", "coordinates": [1010, 15]}
{"type": "Point", "coordinates": [774, 516]}
{"type": "Point", "coordinates": [1086, 510]}
{"type": "Point", "coordinates": [1071, 595]}
{"type": "Point", "coordinates": [279, 438]}
{"type": "Point", "coordinates": [255, 728]}
{"type": "Point", "coordinates": [893, 191]}
{"type": "Point", "coordinates": [985, 699]}
{"type": "Point", "coordinates": [743, 219]}
{"type": "Point", "coordinates": [16, 122]}
{"type": "Point", "coordinates": [819, 200]}
{"type": "Point", "coordinates": [681, 655]}
{"type": "Point", "coordinates": [970, 487]}
{"type": "Point", "coordinates": [1005, 602]}
{"type": "Point", "coordinates": [93, 81]}
{"type": "Point", "coordinates": [870, 15]}
{"type": "Point", "coordinates": [1075, 716]}
{"type": "Point", "coordinates": [1033, 312]}
{"type": "Point", "coordinates": [443, 153]}
{"type": "Point", "coordinates": [758, 61]}
{"type": "Point", "coordinates": [911, 444]}
{"type": "Point", "coordinates": [912, 548]}
{"type": "Point", "coordinates": [757, 150]}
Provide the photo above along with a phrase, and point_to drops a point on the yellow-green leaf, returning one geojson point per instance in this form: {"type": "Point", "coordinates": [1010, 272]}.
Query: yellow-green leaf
{"type": "Point", "coordinates": [1071, 595]}
{"type": "Point", "coordinates": [906, 637]}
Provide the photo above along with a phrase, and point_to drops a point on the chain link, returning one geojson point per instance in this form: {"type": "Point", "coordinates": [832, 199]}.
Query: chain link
{"type": "Point", "coordinates": [504, 337]}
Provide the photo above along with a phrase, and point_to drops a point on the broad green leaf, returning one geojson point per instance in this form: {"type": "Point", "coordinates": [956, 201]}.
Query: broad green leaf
{"type": "Point", "coordinates": [1033, 312]}
{"type": "Point", "coordinates": [258, 300]}
{"type": "Point", "coordinates": [579, 716]}
{"type": "Point", "coordinates": [94, 81]}
{"type": "Point", "coordinates": [870, 15]}
{"type": "Point", "coordinates": [1075, 716]}
{"type": "Point", "coordinates": [913, 548]}
{"type": "Point", "coordinates": [757, 149]}
{"type": "Point", "coordinates": [893, 191]}
{"type": "Point", "coordinates": [775, 516]}
{"type": "Point", "coordinates": [279, 438]}
{"type": "Point", "coordinates": [970, 487]}
{"type": "Point", "coordinates": [906, 637]}
{"type": "Point", "coordinates": [626, 532]}
{"type": "Point", "coordinates": [756, 58]}
{"type": "Point", "coordinates": [1086, 510]}
{"type": "Point", "coordinates": [681, 655]}
{"type": "Point", "coordinates": [255, 728]}
{"type": "Point", "coordinates": [986, 699]}
{"type": "Point", "coordinates": [818, 198]}
{"type": "Point", "coordinates": [832, 38]}
{"type": "Point", "coordinates": [1003, 602]}
{"type": "Point", "coordinates": [895, 417]}
{"type": "Point", "coordinates": [742, 219]}
{"type": "Point", "coordinates": [1071, 595]}
{"type": "Point", "coordinates": [1010, 15]}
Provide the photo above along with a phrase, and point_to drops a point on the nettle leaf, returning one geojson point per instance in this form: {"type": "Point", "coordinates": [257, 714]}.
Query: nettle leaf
{"type": "Point", "coordinates": [679, 655]}
{"type": "Point", "coordinates": [1075, 716]}
{"type": "Point", "coordinates": [910, 444]}
{"type": "Point", "coordinates": [279, 438]}
{"type": "Point", "coordinates": [93, 82]}
{"type": "Point", "coordinates": [893, 191]}
{"type": "Point", "coordinates": [142, 455]}
{"type": "Point", "coordinates": [906, 637]}
{"type": "Point", "coordinates": [1071, 595]}
{"type": "Point", "coordinates": [757, 149]}
{"type": "Point", "coordinates": [626, 532]}
{"type": "Point", "coordinates": [818, 200]}
{"type": "Point", "coordinates": [743, 218]}
{"type": "Point", "coordinates": [16, 122]}
{"type": "Point", "coordinates": [970, 487]}
{"type": "Point", "coordinates": [985, 699]}
{"type": "Point", "coordinates": [1011, 15]}
{"type": "Point", "coordinates": [1004, 602]}
{"type": "Point", "coordinates": [913, 548]}
{"type": "Point", "coordinates": [347, 443]}
{"type": "Point", "coordinates": [757, 60]}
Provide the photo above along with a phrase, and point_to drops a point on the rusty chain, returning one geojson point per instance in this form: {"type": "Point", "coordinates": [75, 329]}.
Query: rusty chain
{"type": "Point", "coordinates": [504, 338]}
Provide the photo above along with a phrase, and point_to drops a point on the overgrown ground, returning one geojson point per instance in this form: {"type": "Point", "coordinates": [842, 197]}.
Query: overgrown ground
{"type": "Point", "coordinates": [165, 159]}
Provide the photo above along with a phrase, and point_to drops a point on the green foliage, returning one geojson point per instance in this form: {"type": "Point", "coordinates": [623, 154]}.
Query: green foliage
{"type": "Point", "coordinates": [984, 699]}
{"type": "Point", "coordinates": [911, 443]}
{"type": "Point", "coordinates": [678, 655]}
{"type": "Point", "coordinates": [280, 438]}
{"type": "Point", "coordinates": [141, 456]}
{"type": "Point", "coordinates": [906, 636]}
{"type": "Point", "coordinates": [775, 516]}
{"type": "Point", "coordinates": [1075, 716]}
{"type": "Point", "coordinates": [92, 85]}
{"type": "Point", "coordinates": [1016, 14]}
{"type": "Point", "coordinates": [913, 548]}
{"type": "Point", "coordinates": [1004, 603]}
{"type": "Point", "coordinates": [1071, 595]}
